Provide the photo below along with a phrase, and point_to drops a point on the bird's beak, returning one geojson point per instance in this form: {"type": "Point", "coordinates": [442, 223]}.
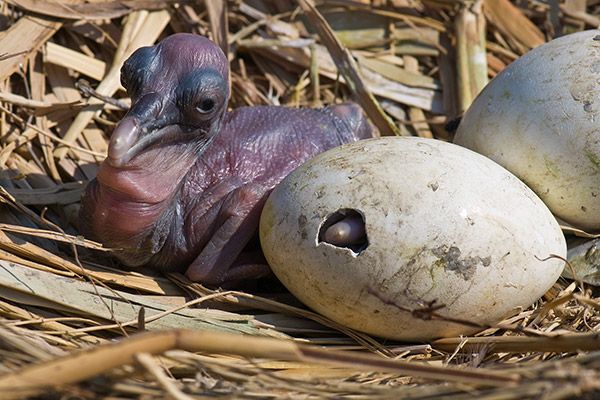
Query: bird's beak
{"type": "Point", "coordinates": [143, 125]}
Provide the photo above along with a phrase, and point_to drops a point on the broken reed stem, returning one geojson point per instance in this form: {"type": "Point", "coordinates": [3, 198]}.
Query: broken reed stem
{"type": "Point", "coordinates": [471, 56]}
{"type": "Point", "coordinates": [68, 58]}
{"type": "Point", "coordinates": [219, 24]}
{"type": "Point", "coordinates": [82, 365]}
{"type": "Point", "coordinates": [314, 76]}
{"type": "Point", "coordinates": [148, 362]}
{"type": "Point", "coordinates": [416, 115]}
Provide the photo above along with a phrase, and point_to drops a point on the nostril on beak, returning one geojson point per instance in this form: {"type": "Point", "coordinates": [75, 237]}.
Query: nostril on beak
{"type": "Point", "coordinates": [123, 138]}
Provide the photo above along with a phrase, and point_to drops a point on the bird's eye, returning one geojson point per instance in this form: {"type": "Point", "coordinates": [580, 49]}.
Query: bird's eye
{"type": "Point", "coordinates": [205, 106]}
{"type": "Point", "coordinates": [201, 96]}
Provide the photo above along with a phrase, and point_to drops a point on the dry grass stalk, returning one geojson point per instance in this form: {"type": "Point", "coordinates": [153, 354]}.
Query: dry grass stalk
{"type": "Point", "coordinates": [217, 15]}
{"type": "Point", "coordinates": [32, 380]}
{"type": "Point", "coordinates": [416, 115]}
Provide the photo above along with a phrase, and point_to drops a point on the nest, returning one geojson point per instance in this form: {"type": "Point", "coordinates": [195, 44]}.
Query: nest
{"type": "Point", "coordinates": [75, 325]}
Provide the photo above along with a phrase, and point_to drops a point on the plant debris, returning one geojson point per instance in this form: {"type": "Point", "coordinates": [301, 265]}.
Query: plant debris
{"type": "Point", "coordinates": [74, 324]}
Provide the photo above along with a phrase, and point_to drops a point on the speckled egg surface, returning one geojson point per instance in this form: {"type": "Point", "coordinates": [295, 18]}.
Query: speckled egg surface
{"type": "Point", "coordinates": [540, 119]}
{"type": "Point", "coordinates": [444, 226]}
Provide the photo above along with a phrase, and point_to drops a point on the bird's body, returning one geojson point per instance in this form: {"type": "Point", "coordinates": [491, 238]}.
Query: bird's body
{"type": "Point", "coordinates": [181, 196]}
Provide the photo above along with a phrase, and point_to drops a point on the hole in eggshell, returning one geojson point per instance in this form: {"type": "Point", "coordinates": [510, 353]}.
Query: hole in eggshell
{"type": "Point", "coordinates": [345, 228]}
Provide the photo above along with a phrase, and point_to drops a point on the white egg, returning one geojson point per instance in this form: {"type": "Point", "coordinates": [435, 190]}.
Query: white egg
{"type": "Point", "coordinates": [540, 119]}
{"type": "Point", "coordinates": [444, 226]}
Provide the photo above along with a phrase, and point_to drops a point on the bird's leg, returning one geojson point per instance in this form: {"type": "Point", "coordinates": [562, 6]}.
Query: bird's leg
{"type": "Point", "coordinates": [250, 265]}
{"type": "Point", "coordinates": [220, 260]}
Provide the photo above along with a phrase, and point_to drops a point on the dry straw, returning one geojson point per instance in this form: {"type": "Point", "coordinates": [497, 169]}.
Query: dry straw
{"type": "Point", "coordinates": [72, 323]}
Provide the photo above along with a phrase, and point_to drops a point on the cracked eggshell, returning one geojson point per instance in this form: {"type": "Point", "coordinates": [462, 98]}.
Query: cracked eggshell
{"type": "Point", "coordinates": [443, 225]}
{"type": "Point", "coordinates": [539, 118]}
